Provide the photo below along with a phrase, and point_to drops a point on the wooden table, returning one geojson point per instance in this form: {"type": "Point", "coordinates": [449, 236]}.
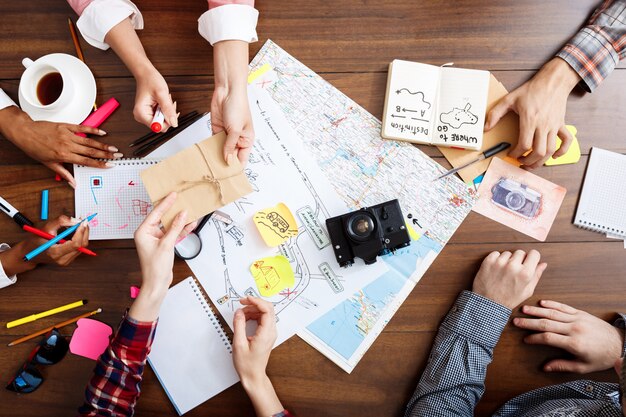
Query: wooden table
{"type": "Point", "coordinates": [350, 43]}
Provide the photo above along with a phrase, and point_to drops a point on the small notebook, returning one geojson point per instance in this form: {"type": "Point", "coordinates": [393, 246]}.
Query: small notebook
{"type": "Point", "coordinates": [191, 354]}
{"type": "Point", "coordinates": [442, 106]}
{"type": "Point", "coordinates": [116, 194]}
{"type": "Point", "coordinates": [602, 204]}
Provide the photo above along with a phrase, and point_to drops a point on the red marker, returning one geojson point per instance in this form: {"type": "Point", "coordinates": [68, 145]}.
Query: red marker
{"type": "Point", "coordinates": [45, 235]}
{"type": "Point", "coordinates": [98, 117]}
{"type": "Point", "coordinates": [157, 120]}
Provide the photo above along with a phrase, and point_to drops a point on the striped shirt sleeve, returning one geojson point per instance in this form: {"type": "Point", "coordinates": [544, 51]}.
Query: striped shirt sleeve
{"type": "Point", "coordinates": [597, 49]}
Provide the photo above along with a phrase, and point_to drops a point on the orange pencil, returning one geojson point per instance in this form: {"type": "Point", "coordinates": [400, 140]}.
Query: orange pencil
{"type": "Point", "coordinates": [56, 326]}
{"type": "Point", "coordinates": [79, 51]}
{"type": "Point", "coordinates": [48, 236]}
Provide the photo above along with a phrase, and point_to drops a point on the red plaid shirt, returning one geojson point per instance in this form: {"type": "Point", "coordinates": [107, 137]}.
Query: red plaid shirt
{"type": "Point", "coordinates": [114, 387]}
{"type": "Point", "coordinates": [598, 47]}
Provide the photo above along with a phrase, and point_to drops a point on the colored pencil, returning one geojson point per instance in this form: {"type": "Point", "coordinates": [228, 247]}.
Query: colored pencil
{"type": "Point", "coordinates": [158, 141]}
{"type": "Point", "coordinates": [46, 313]}
{"type": "Point", "coordinates": [30, 255]}
{"type": "Point", "coordinates": [45, 235]}
{"type": "Point", "coordinates": [79, 51]}
{"type": "Point", "coordinates": [153, 134]}
{"type": "Point", "coordinates": [56, 326]}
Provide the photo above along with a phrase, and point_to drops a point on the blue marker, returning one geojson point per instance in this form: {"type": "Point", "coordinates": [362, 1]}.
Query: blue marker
{"type": "Point", "coordinates": [30, 255]}
{"type": "Point", "coordinates": [44, 205]}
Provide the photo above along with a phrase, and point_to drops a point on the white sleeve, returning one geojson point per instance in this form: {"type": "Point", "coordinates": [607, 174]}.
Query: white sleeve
{"type": "Point", "coordinates": [102, 15]}
{"type": "Point", "coordinates": [5, 100]}
{"type": "Point", "coordinates": [229, 22]}
{"type": "Point", "coordinates": [5, 280]}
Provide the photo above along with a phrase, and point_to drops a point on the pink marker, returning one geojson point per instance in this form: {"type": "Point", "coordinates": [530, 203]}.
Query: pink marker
{"type": "Point", "coordinates": [98, 117]}
{"type": "Point", "coordinates": [157, 120]}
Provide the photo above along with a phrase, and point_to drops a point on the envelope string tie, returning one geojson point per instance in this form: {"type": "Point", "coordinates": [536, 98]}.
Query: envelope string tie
{"type": "Point", "coordinates": [206, 179]}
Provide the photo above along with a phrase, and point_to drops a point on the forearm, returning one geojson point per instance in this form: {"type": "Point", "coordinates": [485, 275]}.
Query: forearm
{"type": "Point", "coordinates": [126, 44]}
{"type": "Point", "coordinates": [453, 380]}
{"type": "Point", "coordinates": [263, 396]}
{"type": "Point", "coordinates": [147, 305]}
{"type": "Point", "coordinates": [11, 120]}
{"type": "Point", "coordinates": [230, 60]}
{"type": "Point", "coordinates": [12, 260]}
{"type": "Point", "coordinates": [114, 386]}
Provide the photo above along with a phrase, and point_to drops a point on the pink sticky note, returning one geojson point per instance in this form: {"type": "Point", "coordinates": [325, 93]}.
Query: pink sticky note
{"type": "Point", "coordinates": [90, 339]}
{"type": "Point", "coordinates": [134, 292]}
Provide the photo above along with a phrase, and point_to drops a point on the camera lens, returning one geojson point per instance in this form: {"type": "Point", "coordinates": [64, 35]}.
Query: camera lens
{"type": "Point", "coordinates": [361, 226]}
{"type": "Point", "coordinates": [514, 200]}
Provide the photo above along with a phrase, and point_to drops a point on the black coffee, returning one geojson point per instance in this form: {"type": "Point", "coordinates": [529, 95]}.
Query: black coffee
{"type": "Point", "coordinates": [49, 88]}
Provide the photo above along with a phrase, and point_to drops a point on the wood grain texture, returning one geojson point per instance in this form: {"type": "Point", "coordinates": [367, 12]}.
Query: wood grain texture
{"type": "Point", "coordinates": [350, 43]}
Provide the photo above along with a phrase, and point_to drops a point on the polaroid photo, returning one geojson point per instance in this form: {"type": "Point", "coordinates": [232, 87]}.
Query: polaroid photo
{"type": "Point", "coordinates": [519, 199]}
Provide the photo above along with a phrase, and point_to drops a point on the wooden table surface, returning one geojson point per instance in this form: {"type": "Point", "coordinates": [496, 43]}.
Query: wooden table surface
{"type": "Point", "coordinates": [350, 43]}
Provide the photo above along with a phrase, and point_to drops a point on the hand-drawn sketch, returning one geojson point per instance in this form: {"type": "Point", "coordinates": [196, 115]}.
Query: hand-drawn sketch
{"type": "Point", "coordinates": [458, 117]}
{"type": "Point", "coordinates": [516, 197]}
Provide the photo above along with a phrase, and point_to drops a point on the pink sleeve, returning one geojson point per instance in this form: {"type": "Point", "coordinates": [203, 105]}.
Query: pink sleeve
{"type": "Point", "coordinates": [80, 5]}
{"type": "Point", "coordinates": [217, 3]}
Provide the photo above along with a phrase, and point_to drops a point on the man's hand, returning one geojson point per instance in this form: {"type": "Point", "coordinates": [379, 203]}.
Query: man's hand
{"type": "Point", "coordinates": [595, 344]}
{"type": "Point", "coordinates": [54, 144]}
{"type": "Point", "coordinates": [509, 279]}
{"type": "Point", "coordinates": [540, 104]}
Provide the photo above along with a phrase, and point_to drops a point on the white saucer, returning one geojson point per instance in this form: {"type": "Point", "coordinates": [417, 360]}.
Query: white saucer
{"type": "Point", "coordinates": [84, 92]}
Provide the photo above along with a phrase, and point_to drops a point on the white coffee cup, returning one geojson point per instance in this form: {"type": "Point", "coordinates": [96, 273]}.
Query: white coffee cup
{"type": "Point", "coordinates": [35, 71]}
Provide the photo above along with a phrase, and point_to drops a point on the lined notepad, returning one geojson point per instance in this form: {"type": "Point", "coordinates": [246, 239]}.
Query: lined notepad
{"type": "Point", "coordinates": [116, 194]}
{"type": "Point", "coordinates": [602, 205]}
{"type": "Point", "coordinates": [191, 354]}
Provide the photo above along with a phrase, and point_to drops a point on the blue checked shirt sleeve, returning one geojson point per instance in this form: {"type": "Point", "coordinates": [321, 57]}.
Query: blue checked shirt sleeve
{"type": "Point", "coordinates": [598, 47]}
{"type": "Point", "coordinates": [453, 380]}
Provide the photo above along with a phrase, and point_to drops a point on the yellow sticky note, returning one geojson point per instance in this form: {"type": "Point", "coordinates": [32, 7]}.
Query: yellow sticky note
{"type": "Point", "coordinates": [412, 233]}
{"type": "Point", "coordinates": [276, 224]}
{"type": "Point", "coordinates": [272, 275]}
{"type": "Point", "coordinates": [573, 153]}
{"type": "Point", "coordinates": [256, 74]}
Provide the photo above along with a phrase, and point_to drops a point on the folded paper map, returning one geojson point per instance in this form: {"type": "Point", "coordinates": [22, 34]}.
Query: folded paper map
{"type": "Point", "coordinates": [200, 176]}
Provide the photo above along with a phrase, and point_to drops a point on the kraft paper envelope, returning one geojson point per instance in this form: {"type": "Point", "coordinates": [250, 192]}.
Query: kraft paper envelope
{"type": "Point", "coordinates": [200, 176]}
{"type": "Point", "coordinates": [507, 130]}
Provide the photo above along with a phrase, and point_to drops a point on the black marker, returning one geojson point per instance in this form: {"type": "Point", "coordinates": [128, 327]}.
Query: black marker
{"type": "Point", "coordinates": [12, 212]}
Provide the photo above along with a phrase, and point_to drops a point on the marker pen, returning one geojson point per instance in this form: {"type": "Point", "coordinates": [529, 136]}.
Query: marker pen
{"type": "Point", "coordinates": [157, 120]}
{"type": "Point", "coordinates": [98, 117]}
{"type": "Point", "coordinates": [12, 212]}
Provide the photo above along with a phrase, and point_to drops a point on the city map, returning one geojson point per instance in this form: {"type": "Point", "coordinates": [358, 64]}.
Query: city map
{"type": "Point", "coordinates": [344, 139]}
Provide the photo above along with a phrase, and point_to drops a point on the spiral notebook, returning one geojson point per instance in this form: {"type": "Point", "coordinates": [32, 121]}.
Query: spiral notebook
{"type": "Point", "coordinates": [602, 204]}
{"type": "Point", "coordinates": [116, 194]}
{"type": "Point", "coordinates": [191, 354]}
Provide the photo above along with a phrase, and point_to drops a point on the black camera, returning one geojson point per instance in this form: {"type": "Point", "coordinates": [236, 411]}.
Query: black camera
{"type": "Point", "coordinates": [368, 233]}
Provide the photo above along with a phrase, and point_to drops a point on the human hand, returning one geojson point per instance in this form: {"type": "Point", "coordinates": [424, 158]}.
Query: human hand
{"type": "Point", "coordinates": [152, 91]}
{"type": "Point", "coordinates": [251, 353]}
{"type": "Point", "coordinates": [595, 344]}
{"type": "Point", "coordinates": [230, 112]}
{"type": "Point", "coordinates": [540, 104]}
{"type": "Point", "coordinates": [55, 143]}
{"type": "Point", "coordinates": [509, 279]}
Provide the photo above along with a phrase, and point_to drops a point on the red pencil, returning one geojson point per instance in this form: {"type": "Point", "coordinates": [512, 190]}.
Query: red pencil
{"type": "Point", "coordinates": [45, 235]}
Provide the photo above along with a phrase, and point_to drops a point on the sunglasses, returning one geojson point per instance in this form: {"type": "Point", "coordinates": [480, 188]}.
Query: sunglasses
{"type": "Point", "coordinates": [49, 351]}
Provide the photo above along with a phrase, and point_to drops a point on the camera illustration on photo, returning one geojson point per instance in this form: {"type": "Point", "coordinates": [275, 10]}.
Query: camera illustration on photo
{"type": "Point", "coordinates": [516, 198]}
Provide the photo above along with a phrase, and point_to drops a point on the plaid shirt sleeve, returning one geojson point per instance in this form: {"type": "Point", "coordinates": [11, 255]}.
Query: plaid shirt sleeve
{"type": "Point", "coordinates": [114, 387]}
{"type": "Point", "coordinates": [453, 380]}
{"type": "Point", "coordinates": [598, 47]}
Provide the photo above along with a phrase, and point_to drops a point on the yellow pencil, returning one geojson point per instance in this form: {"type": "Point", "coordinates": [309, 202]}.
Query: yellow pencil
{"type": "Point", "coordinates": [34, 317]}
{"type": "Point", "coordinates": [56, 326]}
